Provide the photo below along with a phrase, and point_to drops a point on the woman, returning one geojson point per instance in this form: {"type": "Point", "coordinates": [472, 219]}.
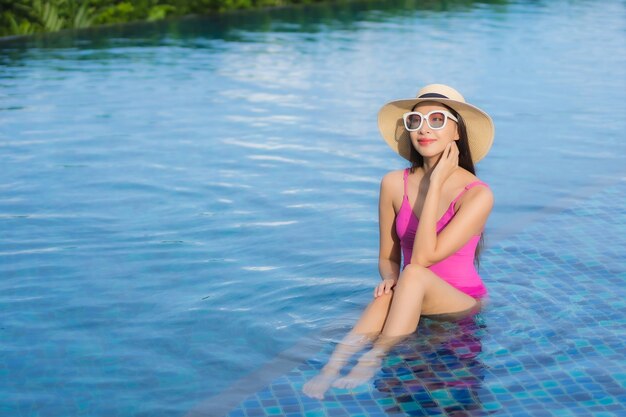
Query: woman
{"type": "Point", "coordinates": [431, 217]}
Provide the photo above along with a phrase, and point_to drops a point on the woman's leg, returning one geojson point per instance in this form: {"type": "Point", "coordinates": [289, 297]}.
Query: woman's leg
{"type": "Point", "coordinates": [421, 292]}
{"type": "Point", "coordinates": [418, 291]}
{"type": "Point", "coordinates": [366, 329]}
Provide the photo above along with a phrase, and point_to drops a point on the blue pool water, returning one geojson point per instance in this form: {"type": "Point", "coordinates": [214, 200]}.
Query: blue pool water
{"type": "Point", "coordinates": [551, 343]}
{"type": "Point", "coordinates": [188, 210]}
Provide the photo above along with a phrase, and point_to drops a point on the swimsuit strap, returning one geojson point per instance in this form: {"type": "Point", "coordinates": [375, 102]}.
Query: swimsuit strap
{"type": "Point", "coordinates": [467, 187]}
{"type": "Point", "coordinates": [406, 174]}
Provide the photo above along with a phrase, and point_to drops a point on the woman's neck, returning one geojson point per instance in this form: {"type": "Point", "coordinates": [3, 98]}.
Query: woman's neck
{"type": "Point", "coordinates": [430, 163]}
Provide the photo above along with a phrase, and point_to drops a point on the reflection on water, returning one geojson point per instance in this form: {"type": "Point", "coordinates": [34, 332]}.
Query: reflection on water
{"type": "Point", "coordinates": [439, 368]}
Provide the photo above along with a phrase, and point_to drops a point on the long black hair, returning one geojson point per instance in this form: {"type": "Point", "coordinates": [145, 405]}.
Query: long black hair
{"type": "Point", "coordinates": [465, 161]}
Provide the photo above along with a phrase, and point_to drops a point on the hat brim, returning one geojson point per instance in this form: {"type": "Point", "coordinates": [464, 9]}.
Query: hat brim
{"type": "Point", "coordinates": [480, 127]}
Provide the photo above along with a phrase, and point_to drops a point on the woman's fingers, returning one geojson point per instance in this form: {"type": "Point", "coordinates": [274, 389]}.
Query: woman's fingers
{"type": "Point", "coordinates": [448, 151]}
{"type": "Point", "coordinates": [379, 289]}
{"type": "Point", "coordinates": [384, 287]}
{"type": "Point", "coordinates": [453, 153]}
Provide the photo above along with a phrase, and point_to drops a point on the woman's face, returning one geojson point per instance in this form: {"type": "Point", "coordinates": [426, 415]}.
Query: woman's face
{"type": "Point", "coordinates": [432, 142]}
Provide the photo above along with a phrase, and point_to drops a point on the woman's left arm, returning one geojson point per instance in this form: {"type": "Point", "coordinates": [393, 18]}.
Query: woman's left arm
{"type": "Point", "coordinates": [470, 219]}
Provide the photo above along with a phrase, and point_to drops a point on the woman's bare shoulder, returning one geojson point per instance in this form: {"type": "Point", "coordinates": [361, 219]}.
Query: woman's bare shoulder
{"type": "Point", "coordinates": [391, 185]}
{"type": "Point", "coordinates": [480, 194]}
{"type": "Point", "coordinates": [465, 177]}
{"type": "Point", "coordinates": [392, 179]}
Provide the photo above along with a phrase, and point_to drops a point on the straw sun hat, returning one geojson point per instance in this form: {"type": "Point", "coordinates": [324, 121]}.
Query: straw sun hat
{"type": "Point", "coordinates": [480, 129]}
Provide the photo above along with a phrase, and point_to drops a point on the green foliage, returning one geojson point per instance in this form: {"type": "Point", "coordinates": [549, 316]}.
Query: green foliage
{"type": "Point", "coordinates": [24, 27]}
{"type": "Point", "coordinates": [160, 11]}
{"type": "Point", "coordinates": [81, 15]}
{"type": "Point", "coordinates": [46, 14]}
{"type": "Point", "coordinates": [118, 13]}
{"type": "Point", "coordinates": [24, 17]}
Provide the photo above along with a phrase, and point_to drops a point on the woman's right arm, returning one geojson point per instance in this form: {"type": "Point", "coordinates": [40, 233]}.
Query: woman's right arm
{"type": "Point", "coordinates": [389, 255]}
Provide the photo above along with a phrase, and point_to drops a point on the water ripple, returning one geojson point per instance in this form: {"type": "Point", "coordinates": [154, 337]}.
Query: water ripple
{"type": "Point", "coordinates": [181, 201]}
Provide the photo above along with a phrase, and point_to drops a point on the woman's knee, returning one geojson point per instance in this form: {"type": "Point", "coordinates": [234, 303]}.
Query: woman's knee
{"type": "Point", "coordinates": [415, 276]}
{"type": "Point", "coordinates": [384, 298]}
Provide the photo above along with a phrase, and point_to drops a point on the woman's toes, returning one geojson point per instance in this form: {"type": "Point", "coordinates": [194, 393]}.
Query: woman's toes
{"type": "Point", "coordinates": [340, 383]}
{"type": "Point", "coordinates": [315, 388]}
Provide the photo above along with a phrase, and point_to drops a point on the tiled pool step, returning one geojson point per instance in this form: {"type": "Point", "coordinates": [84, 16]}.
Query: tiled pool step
{"type": "Point", "coordinates": [549, 343]}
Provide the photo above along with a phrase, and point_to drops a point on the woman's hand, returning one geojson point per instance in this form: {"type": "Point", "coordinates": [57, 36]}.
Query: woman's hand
{"type": "Point", "coordinates": [384, 287]}
{"type": "Point", "coordinates": [447, 164]}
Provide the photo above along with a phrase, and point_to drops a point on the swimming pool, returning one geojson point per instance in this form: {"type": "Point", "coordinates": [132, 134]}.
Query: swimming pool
{"type": "Point", "coordinates": [543, 347]}
{"type": "Point", "coordinates": [188, 209]}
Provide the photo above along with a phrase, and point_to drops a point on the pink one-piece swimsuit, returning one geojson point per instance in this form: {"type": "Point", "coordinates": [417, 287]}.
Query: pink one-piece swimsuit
{"type": "Point", "coordinates": [457, 269]}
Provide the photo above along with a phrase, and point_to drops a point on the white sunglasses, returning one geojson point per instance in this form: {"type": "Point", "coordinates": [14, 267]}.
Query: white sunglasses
{"type": "Point", "coordinates": [436, 119]}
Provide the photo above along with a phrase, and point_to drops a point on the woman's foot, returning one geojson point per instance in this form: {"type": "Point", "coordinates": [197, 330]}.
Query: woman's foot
{"type": "Point", "coordinates": [351, 344]}
{"type": "Point", "coordinates": [362, 372]}
{"type": "Point", "coordinates": [319, 384]}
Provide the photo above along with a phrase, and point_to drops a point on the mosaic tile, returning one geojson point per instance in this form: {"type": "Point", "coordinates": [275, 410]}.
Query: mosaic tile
{"type": "Point", "coordinates": [548, 343]}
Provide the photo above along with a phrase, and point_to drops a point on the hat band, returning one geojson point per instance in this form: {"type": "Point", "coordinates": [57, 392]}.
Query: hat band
{"type": "Point", "coordinates": [432, 95]}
